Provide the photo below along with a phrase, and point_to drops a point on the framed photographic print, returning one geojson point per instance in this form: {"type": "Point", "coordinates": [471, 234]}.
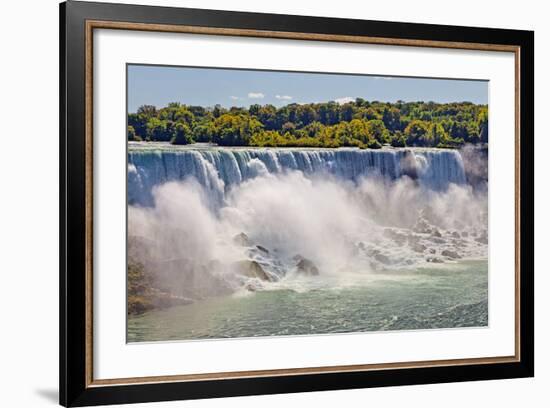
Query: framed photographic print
{"type": "Point", "coordinates": [255, 203]}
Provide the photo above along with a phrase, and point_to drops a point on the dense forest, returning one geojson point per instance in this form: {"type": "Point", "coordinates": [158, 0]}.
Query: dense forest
{"type": "Point", "coordinates": [359, 123]}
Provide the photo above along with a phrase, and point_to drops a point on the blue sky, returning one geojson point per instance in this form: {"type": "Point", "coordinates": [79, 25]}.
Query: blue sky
{"type": "Point", "coordinates": [160, 85]}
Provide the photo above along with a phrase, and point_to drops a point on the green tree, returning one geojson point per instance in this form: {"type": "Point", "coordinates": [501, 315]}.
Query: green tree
{"type": "Point", "coordinates": [459, 130]}
{"type": "Point", "coordinates": [254, 110]}
{"type": "Point", "coordinates": [377, 130]}
{"type": "Point", "coordinates": [218, 111]}
{"type": "Point", "coordinates": [359, 131]}
{"type": "Point", "coordinates": [288, 127]}
{"type": "Point", "coordinates": [436, 135]}
{"type": "Point", "coordinates": [398, 140]}
{"type": "Point", "coordinates": [267, 115]}
{"type": "Point", "coordinates": [157, 130]}
{"type": "Point", "coordinates": [203, 132]}
{"type": "Point", "coordinates": [415, 133]}
{"type": "Point", "coordinates": [371, 114]}
{"type": "Point", "coordinates": [328, 113]}
{"type": "Point", "coordinates": [483, 125]}
{"type": "Point", "coordinates": [147, 111]}
{"type": "Point", "coordinates": [358, 123]}
{"type": "Point", "coordinates": [182, 135]}
{"type": "Point", "coordinates": [392, 119]}
{"type": "Point", "coordinates": [306, 114]}
{"type": "Point", "coordinates": [313, 129]}
{"type": "Point", "coordinates": [132, 134]}
{"type": "Point", "coordinates": [267, 138]}
{"type": "Point", "coordinates": [347, 111]}
{"type": "Point", "coordinates": [234, 130]}
{"type": "Point", "coordinates": [374, 144]}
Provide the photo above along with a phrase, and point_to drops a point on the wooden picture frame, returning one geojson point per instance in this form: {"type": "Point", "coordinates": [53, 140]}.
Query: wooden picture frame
{"type": "Point", "coordinates": [78, 20]}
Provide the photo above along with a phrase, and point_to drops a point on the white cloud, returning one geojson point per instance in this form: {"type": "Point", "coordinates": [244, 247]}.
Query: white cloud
{"type": "Point", "coordinates": [344, 99]}
{"type": "Point", "coordinates": [284, 97]}
{"type": "Point", "coordinates": [256, 95]}
{"type": "Point", "coordinates": [235, 98]}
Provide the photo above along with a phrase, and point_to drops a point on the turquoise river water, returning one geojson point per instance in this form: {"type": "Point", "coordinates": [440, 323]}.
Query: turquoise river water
{"type": "Point", "coordinates": [443, 296]}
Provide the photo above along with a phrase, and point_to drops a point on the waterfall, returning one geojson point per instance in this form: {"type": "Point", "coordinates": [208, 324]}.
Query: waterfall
{"type": "Point", "coordinates": [217, 169]}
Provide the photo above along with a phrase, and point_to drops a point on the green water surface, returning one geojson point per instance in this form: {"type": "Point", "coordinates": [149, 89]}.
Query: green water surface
{"type": "Point", "coordinates": [446, 296]}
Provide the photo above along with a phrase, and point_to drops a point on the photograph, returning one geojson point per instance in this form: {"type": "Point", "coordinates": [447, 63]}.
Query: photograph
{"type": "Point", "coordinates": [255, 203]}
{"type": "Point", "coordinates": [277, 203]}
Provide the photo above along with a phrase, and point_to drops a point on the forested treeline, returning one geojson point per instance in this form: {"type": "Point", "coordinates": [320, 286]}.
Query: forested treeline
{"type": "Point", "coordinates": [360, 123]}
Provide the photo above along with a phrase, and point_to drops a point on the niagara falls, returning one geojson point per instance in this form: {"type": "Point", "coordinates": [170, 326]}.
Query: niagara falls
{"type": "Point", "coordinates": [281, 203]}
{"type": "Point", "coordinates": [246, 242]}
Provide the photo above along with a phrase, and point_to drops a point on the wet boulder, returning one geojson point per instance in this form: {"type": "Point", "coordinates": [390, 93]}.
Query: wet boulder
{"type": "Point", "coordinates": [262, 249]}
{"type": "Point", "coordinates": [422, 226]}
{"type": "Point", "coordinates": [306, 267]}
{"type": "Point", "coordinates": [371, 251]}
{"type": "Point", "coordinates": [455, 234]}
{"type": "Point", "coordinates": [253, 286]}
{"type": "Point", "coordinates": [383, 259]}
{"type": "Point", "coordinates": [436, 240]}
{"type": "Point", "coordinates": [483, 238]}
{"type": "Point", "coordinates": [396, 236]}
{"type": "Point", "coordinates": [241, 240]}
{"type": "Point", "coordinates": [450, 254]}
{"type": "Point", "coordinates": [251, 269]}
{"type": "Point", "coordinates": [459, 243]}
{"type": "Point", "coordinates": [417, 247]}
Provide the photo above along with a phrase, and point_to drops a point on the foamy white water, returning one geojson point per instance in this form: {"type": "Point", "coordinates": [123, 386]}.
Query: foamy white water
{"type": "Point", "coordinates": [355, 217]}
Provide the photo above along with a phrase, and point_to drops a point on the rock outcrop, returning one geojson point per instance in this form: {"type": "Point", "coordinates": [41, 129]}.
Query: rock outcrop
{"type": "Point", "coordinates": [483, 238]}
{"type": "Point", "coordinates": [450, 254]}
{"type": "Point", "coordinates": [305, 266]}
{"type": "Point", "coordinates": [262, 249]}
{"type": "Point", "coordinates": [383, 259]}
{"type": "Point", "coordinates": [251, 269]}
{"type": "Point", "coordinates": [143, 296]}
{"type": "Point", "coordinates": [241, 239]}
{"type": "Point", "coordinates": [422, 226]}
{"type": "Point", "coordinates": [417, 247]}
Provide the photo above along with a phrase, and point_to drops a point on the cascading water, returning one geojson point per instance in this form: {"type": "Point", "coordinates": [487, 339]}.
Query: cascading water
{"type": "Point", "coordinates": [371, 231]}
{"type": "Point", "coordinates": [217, 169]}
